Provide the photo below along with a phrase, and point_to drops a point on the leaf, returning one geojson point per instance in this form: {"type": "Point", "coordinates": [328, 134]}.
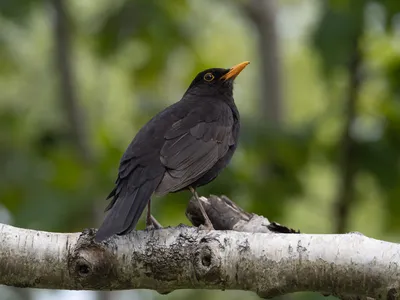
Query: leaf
{"type": "Point", "coordinates": [155, 24]}
{"type": "Point", "coordinates": [339, 28]}
{"type": "Point", "coordinates": [18, 11]}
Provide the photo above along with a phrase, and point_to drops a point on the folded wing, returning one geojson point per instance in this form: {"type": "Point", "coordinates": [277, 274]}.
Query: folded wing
{"type": "Point", "coordinates": [192, 146]}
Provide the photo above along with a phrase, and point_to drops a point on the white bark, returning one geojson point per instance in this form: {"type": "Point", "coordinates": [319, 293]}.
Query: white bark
{"type": "Point", "coordinates": [269, 264]}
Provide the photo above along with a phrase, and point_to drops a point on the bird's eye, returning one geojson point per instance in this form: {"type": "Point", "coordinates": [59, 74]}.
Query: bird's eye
{"type": "Point", "coordinates": [208, 77]}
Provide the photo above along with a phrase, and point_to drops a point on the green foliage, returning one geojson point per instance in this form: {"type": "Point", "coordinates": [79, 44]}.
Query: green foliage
{"type": "Point", "coordinates": [392, 8]}
{"type": "Point", "coordinates": [131, 58]}
{"type": "Point", "coordinates": [340, 30]}
{"type": "Point", "coordinates": [154, 25]}
{"type": "Point", "coordinates": [18, 11]}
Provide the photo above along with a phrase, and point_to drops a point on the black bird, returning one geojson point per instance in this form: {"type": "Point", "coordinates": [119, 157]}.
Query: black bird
{"type": "Point", "coordinates": [183, 147]}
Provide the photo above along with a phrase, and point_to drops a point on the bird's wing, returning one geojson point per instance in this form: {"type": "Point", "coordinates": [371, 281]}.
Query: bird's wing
{"type": "Point", "coordinates": [192, 146]}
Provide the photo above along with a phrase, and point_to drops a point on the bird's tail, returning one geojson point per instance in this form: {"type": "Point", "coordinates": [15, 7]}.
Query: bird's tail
{"type": "Point", "coordinates": [125, 208]}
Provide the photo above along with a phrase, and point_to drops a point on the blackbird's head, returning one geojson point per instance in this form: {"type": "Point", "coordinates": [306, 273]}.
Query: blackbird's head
{"type": "Point", "coordinates": [216, 80]}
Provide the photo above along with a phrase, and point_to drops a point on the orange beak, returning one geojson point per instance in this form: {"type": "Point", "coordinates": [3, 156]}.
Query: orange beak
{"type": "Point", "coordinates": [235, 70]}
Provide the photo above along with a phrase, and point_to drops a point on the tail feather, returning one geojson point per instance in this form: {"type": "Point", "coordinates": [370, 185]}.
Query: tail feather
{"type": "Point", "coordinates": [114, 197]}
{"type": "Point", "coordinates": [126, 208]}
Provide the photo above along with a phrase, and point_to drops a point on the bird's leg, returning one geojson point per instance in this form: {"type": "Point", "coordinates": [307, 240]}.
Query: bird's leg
{"type": "Point", "coordinates": [207, 223]}
{"type": "Point", "coordinates": [155, 223]}
{"type": "Point", "coordinates": [151, 222]}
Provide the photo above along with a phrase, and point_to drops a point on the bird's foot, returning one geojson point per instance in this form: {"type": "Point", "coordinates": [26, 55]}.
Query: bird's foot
{"type": "Point", "coordinates": [206, 226]}
{"type": "Point", "coordinates": [207, 223]}
{"type": "Point", "coordinates": [152, 223]}
{"type": "Point", "coordinates": [150, 227]}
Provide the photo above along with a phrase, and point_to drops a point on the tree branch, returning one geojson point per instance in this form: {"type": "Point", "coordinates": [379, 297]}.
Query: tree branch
{"type": "Point", "coordinates": [269, 264]}
{"type": "Point", "coordinates": [347, 167]}
{"type": "Point", "coordinates": [226, 215]}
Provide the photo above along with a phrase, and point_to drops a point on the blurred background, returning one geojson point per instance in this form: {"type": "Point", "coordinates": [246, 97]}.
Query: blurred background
{"type": "Point", "coordinates": [320, 105]}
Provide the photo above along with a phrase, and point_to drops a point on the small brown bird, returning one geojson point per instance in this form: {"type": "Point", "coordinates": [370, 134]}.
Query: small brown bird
{"type": "Point", "coordinates": [183, 147]}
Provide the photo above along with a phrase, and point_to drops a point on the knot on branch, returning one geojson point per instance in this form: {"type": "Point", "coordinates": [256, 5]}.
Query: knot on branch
{"type": "Point", "coordinates": [207, 261]}
{"type": "Point", "coordinates": [90, 263]}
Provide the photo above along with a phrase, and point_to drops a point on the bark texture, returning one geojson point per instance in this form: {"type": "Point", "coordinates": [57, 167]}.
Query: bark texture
{"type": "Point", "coordinates": [250, 257]}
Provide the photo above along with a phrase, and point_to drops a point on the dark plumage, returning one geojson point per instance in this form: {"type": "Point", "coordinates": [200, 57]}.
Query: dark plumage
{"type": "Point", "coordinates": [185, 146]}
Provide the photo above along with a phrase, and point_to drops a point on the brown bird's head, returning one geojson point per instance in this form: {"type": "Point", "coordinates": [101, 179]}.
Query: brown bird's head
{"type": "Point", "coordinates": [215, 80]}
